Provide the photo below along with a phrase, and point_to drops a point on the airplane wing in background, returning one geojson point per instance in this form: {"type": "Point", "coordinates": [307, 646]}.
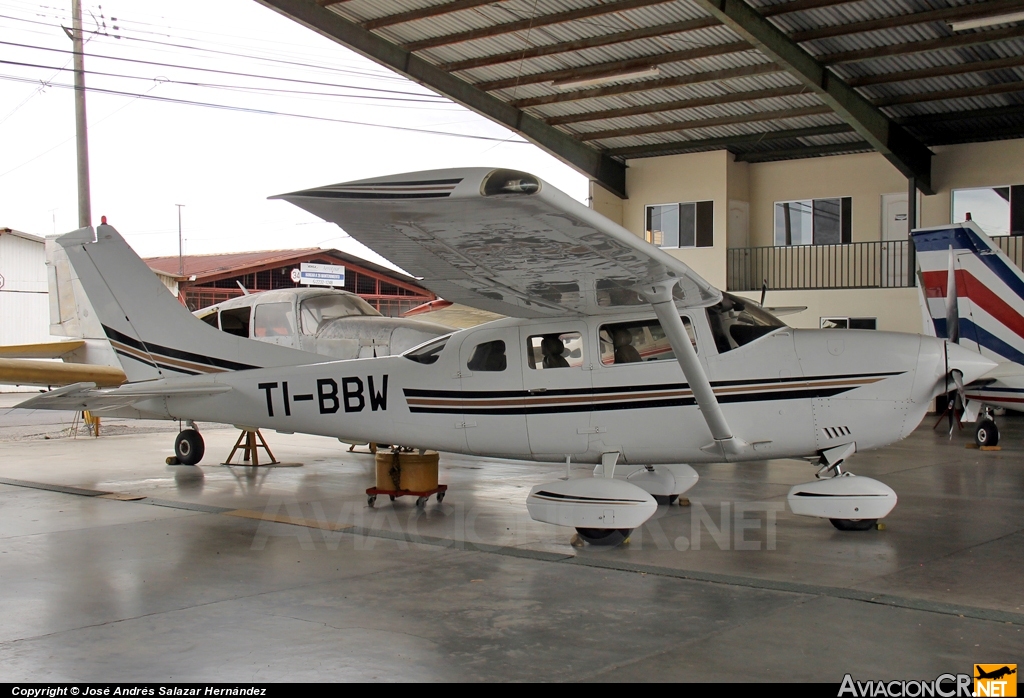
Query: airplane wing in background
{"type": "Point", "coordinates": [28, 364]}
{"type": "Point", "coordinates": [502, 241]}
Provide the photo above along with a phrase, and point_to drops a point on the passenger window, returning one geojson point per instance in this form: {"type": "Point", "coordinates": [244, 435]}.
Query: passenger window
{"type": "Point", "coordinates": [273, 320]}
{"type": "Point", "coordinates": [428, 352]}
{"type": "Point", "coordinates": [639, 341]}
{"type": "Point", "coordinates": [736, 321]}
{"type": "Point", "coordinates": [555, 350]}
{"type": "Point", "coordinates": [489, 356]}
{"type": "Point", "coordinates": [235, 321]}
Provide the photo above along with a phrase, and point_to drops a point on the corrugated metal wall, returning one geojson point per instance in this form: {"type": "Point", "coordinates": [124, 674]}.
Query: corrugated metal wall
{"type": "Point", "coordinates": [24, 306]}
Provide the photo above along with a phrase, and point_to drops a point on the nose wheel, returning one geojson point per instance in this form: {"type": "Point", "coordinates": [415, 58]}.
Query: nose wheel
{"type": "Point", "coordinates": [604, 536]}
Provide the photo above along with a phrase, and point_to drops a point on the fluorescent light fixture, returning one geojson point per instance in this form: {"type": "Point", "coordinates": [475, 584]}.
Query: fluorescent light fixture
{"type": "Point", "coordinates": [979, 22]}
{"type": "Point", "coordinates": [588, 81]}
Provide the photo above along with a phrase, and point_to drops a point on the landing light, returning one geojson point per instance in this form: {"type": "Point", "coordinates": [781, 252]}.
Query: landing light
{"type": "Point", "coordinates": [509, 182]}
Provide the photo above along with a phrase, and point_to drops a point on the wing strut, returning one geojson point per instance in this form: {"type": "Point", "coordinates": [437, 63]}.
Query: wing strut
{"type": "Point", "coordinates": [660, 297]}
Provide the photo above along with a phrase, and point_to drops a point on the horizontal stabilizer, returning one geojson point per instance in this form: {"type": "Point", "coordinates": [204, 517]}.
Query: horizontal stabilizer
{"type": "Point", "coordinates": [86, 396]}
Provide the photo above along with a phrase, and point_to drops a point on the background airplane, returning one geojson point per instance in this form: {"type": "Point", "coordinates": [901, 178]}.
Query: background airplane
{"type": "Point", "coordinates": [975, 296]}
{"type": "Point", "coordinates": [738, 384]}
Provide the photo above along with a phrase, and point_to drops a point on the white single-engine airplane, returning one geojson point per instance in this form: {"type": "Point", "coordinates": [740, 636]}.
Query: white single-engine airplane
{"type": "Point", "coordinates": [561, 378]}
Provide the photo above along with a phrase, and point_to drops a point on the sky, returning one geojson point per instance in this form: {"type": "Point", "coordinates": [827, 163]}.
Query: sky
{"type": "Point", "coordinates": [216, 105]}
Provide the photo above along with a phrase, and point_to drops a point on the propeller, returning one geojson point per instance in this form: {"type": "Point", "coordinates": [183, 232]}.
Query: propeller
{"type": "Point", "coordinates": [953, 336]}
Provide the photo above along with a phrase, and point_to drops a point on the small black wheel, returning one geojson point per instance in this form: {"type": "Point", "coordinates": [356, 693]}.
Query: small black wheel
{"type": "Point", "coordinates": [604, 536]}
{"type": "Point", "coordinates": [421, 501]}
{"type": "Point", "coordinates": [986, 433]}
{"type": "Point", "coordinates": [393, 498]}
{"type": "Point", "coordinates": [440, 497]}
{"type": "Point", "coordinates": [665, 499]}
{"type": "Point", "coordinates": [854, 524]}
{"type": "Point", "coordinates": [370, 499]}
{"type": "Point", "coordinates": [189, 447]}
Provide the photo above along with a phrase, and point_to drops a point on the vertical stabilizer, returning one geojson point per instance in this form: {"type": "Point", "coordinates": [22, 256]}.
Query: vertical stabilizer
{"type": "Point", "coordinates": [153, 335]}
{"type": "Point", "coordinates": [988, 288]}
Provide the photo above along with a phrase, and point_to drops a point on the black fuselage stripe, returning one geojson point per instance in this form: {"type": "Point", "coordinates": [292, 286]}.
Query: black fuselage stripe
{"type": "Point", "coordinates": [763, 396]}
{"type": "Point", "coordinates": [561, 392]}
{"type": "Point", "coordinates": [177, 369]}
{"type": "Point", "coordinates": [167, 352]}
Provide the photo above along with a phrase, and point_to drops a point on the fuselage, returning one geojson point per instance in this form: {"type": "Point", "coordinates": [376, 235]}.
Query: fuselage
{"type": "Point", "coordinates": [494, 390]}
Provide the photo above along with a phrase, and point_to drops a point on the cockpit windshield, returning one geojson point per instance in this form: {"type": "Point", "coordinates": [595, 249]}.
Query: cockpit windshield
{"type": "Point", "coordinates": [737, 321]}
{"type": "Point", "coordinates": [317, 311]}
{"type": "Point", "coordinates": [428, 352]}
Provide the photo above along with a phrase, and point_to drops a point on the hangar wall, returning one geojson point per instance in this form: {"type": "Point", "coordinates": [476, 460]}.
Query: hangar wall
{"type": "Point", "coordinates": [744, 197]}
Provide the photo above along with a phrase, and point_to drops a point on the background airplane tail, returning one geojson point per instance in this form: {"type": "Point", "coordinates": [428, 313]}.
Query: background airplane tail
{"type": "Point", "coordinates": [989, 289]}
{"type": "Point", "coordinates": [152, 334]}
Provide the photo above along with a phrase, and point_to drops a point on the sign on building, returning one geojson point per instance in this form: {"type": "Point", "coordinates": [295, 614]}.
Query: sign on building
{"type": "Point", "coordinates": [312, 274]}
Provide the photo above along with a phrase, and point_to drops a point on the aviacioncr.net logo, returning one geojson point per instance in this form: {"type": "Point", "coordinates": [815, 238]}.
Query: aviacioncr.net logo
{"type": "Point", "coordinates": [943, 686]}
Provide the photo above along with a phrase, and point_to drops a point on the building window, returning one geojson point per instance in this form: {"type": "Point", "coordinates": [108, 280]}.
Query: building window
{"type": "Point", "coordinates": [813, 222]}
{"type": "Point", "coordinates": [849, 323]}
{"type": "Point", "coordinates": [681, 225]}
{"type": "Point", "coordinates": [998, 210]}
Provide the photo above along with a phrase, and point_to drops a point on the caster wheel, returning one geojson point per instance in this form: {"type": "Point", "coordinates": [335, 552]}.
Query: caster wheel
{"type": "Point", "coordinates": [421, 501]}
{"type": "Point", "coordinates": [604, 536]}
{"type": "Point", "coordinates": [371, 499]}
{"type": "Point", "coordinates": [854, 524]}
{"type": "Point", "coordinates": [189, 447]}
{"type": "Point", "coordinates": [440, 497]}
{"type": "Point", "coordinates": [986, 433]}
{"type": "Point", "coordinates": [393, 498]}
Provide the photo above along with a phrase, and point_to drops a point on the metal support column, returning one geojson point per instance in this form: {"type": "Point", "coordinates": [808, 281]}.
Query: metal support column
{"type": "Point", "coordinates": [911, 224]}
{"type": "Point", "coordinates": [81, 126]}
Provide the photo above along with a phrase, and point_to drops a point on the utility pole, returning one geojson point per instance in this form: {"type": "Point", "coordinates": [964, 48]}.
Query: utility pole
{"type": "Point", "coordinates": [181, 246]}
{"type": "Point", "coordinates": [81, 126]}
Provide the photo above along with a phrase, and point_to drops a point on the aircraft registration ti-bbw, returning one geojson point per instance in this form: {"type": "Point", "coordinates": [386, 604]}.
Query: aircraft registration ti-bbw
{"type": "Point", "coordinates": [612, 353]}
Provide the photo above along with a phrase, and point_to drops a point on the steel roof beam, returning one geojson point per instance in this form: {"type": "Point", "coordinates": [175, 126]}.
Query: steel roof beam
{"type": "Point", "coordinates": [960, 93]}
{"type": "Point", "coordinates": [705, 123]}
{"type": "Point", "coordinates": [677, 105]}
{"type": "Point", "coordinates": [927, 119]}
{"type": "Point", "coordinates": [799, 6]}
{"type": "Point", "coordinates": [581, 44]}
{"type": "Point", "coordinates": [530, 23]}
{"type": "Point", "coordinates": [602, 69]}
{"type": "Point", "coordinates": [906, 48]}
{"type": "Point", "coordinates": [809, 151]}
{"type": "Point", "coordinates": [906, 153]}
{"type": "Point", "coordinates": [424, 13]}
{"type": "Point", "coordinates": [937, 71]}
{"type": "Point", "coordinates": [648, 85]}
{"type": "Point", "coordinates": [988, 134]}
{"type": "Point", "coordinates": [946, 14]}
{"type": "Point", "coordinates": [609, 173]}
{"type": "Point", "coordinates": [726, 141]}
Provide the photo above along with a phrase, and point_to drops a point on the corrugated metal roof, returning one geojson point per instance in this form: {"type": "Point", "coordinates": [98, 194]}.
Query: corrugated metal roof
{"type": "Point", "coordinates": [943, 83]}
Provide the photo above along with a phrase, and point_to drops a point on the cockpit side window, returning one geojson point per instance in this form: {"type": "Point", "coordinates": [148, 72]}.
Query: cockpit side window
{"type": "Point", "coordinates": [210, 319]}
{"type": "Point", "coordinates": [428, 352]}
{"type": "Point", "coordinates": [235, 321]}
{"type": "Point", "coordinates": [274, 320]}
{"type": "Point", "coordinates": [489, 356]}
{"type": "Point", "coordinates": [737, 321]}
{"type": "Point", "coordinates": [555, 350]}
{"type": "Point", "coordinates": [638, 341]}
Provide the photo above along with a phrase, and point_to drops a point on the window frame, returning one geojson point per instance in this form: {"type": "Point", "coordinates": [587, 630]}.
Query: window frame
{"type": "Point", "coordinates": [697, 232]}
{"type": "Point", "coordinates": [845, 221]}
{"type": "Point", "coordinates": [691, 331]}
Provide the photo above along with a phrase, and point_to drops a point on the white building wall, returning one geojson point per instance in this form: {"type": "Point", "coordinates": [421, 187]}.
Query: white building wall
{"type": "Point", "coordinates": [24, 306]}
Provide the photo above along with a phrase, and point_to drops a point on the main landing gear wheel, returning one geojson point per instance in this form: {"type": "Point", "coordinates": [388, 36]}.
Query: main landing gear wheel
{"type": "Point", "coordinates": [604, 536]}
{"type": "Point", "coordinates": [189, 447]}
{"type": "Point", "coordinates": [986, 433]}
{"type": "Point", "coordinates": [854, 524]}
{"type": "Point", "coordinates": [665, 499]}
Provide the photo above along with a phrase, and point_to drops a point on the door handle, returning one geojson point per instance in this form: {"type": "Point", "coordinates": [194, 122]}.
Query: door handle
{"type": "Point", "coordinates": [534, 391]}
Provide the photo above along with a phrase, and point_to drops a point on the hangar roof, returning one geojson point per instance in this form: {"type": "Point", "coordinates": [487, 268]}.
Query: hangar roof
{"type": "Point", "coordinates": [765, 79]}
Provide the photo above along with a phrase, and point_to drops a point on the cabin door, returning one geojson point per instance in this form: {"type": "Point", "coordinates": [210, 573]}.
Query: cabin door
{"type": "Point", "coordinates": [491, 374]}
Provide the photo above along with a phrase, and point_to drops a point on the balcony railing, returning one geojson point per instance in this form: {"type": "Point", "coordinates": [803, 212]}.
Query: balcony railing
{"type": "Point", "coordinates": [882, 264]}
{"type": "Point", "coordinates": [1013, 246]}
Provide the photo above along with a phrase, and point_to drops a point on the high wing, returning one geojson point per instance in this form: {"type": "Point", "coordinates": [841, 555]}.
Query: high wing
{"type": "Point", "coordinates": [503, 241]}
{"type": "Point", "coordinates": [85, 396]}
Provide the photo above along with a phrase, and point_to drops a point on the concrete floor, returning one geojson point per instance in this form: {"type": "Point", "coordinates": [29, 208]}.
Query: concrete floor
{"type": "Point", "coordinates": [242, 574]}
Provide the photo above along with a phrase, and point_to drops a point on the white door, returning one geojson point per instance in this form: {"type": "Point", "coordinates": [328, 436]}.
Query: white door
{"type": "Point", "coordinates": [894, 257]}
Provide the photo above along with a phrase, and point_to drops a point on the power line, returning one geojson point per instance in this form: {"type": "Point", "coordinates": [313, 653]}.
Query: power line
{"type": "Point", "coordinates": [265, 112]}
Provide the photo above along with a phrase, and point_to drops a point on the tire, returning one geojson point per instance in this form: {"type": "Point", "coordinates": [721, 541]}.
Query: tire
{"type": "Point", "coordinates": [189, 447]}
{"type": "Point", "coordinates": [604, 536]}
{"type": "Point", "coordinates": [854, 524]}
{"type": "Point", "coordinates": [665, 499]}
{"type": "Point", "coordinates": [986, 433]}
